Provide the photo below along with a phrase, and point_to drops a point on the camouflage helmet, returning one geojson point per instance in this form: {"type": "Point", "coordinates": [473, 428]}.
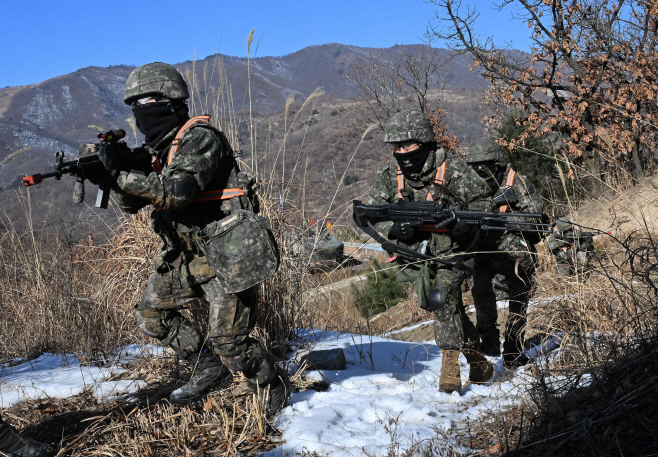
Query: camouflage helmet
{"type": "Point", "coordinates": [155, 78]}
{"type": "Point", "coordinates": [409, 125]}
{"type": "Point", "coordinates": [483, 151]}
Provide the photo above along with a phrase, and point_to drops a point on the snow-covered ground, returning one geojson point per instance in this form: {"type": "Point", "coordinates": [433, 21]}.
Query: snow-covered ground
{"type": "Point", "coordinates": [386, 380]}
{"type": "Point", "coordinates": [387, 384]}
{"type": "Point", "coordinates": [57, 376]}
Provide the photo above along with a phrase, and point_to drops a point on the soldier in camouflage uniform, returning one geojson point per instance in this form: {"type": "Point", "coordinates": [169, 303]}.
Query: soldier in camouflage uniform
{"type": "Point", "coordinates": [15, 444]}
{"type": "Point", "coordinates": [214, 244]}
{"type": "Point", "coordinates": [570, 247]}
{"type": "Point", "coordinates": [512, 257]}
{"type": "Point", "coordinates": [424, 171]}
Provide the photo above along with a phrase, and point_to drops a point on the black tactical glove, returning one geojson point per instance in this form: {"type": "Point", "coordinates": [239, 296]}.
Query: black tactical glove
{"type": "Point", "coordinates": [461, 229]}
{"type": "Point", "coordinates": [110, 159]}
{"type": "Point", "coordinates": [402, 231]}
{"type": "Point", "coordinates": [96, 173]}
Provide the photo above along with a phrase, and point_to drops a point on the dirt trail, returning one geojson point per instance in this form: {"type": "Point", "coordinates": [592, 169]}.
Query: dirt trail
{"type": "Point", "coordinates": [623, 212]}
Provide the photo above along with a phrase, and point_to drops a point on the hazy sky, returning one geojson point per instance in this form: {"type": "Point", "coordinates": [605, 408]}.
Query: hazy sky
{"type": "Point", "coordinates": [41, 39]}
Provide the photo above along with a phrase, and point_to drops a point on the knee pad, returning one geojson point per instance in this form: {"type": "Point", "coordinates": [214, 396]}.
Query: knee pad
{"type": "Point", "coordinates": [441, 303]}
{"type": "Point", "coordinates": [149, 322]}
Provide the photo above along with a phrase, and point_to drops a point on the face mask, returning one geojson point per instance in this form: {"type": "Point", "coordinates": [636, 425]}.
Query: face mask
{"type": "Point", "coordinates": [412, 162]}
{"type": "Point", "coordinates": [155, 120]}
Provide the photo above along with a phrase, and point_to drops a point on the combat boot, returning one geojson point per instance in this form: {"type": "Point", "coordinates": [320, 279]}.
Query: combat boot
{"type": "Point", "coordinates": [280, 391]}
{"type": "Point", "coordinates": [209, 374]}
{"type": "Point", "coordinates": [450, 380]}
{"type": "Point", "coordinates": [15, 444]}
{"type": "Point", "coordinates": [513, 354]}
{"type": "Point", "coordinates": [481, 369]}
{"type": "Point", "coordinates": [489, 340]}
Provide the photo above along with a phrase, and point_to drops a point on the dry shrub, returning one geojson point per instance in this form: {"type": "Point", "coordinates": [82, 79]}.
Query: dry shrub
{"type": "Point", "coordinates": [597, 395]}
{"type": "Point", "coordinates": [61, 295]}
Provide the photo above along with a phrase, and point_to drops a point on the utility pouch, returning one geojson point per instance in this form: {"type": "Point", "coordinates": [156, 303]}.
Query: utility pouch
{"type": "Point", "coordinates": [241, 249]}
{"type": "Point", "coordinates": [424, 285]}
{"type": "Point", "coordinates": [197, 271]}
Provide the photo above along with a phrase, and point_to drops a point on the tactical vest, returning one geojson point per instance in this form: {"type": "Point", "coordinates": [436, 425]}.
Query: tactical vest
{"type": "Point", "coordinates": [509, 183]}
{"type": "Point", "coordinates": [203, 196]}
{"type": "Point", "coordinates": [438, 180]}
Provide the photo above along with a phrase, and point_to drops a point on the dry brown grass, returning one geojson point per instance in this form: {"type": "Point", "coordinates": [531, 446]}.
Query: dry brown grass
{"type": "Point", "coordinates": [229, 422]}
{"type": "Point", "coordinates": [597, 395]}
{"type": "Point", "coordinates": [61, 295]}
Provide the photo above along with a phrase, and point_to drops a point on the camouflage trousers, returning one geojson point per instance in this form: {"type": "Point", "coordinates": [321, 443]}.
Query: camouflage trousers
{"type": "Point", "coordinates": [570, 261]}
{"type": "Point", "coordinates": [453, 330]}
{"type": "Point", "coordinates": [231, 318]}
{"type": "Point", "coordinates": [516, 264]}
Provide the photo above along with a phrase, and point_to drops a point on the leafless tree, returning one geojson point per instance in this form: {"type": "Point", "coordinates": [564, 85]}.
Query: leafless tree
{"type": "Point", "coordinates": [590, 76]}
{"type": "Point", "coordinates": [403, 82]}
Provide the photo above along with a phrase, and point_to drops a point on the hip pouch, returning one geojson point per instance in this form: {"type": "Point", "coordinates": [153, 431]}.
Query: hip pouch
{"type": "Point", "coordinates": [241, 249]}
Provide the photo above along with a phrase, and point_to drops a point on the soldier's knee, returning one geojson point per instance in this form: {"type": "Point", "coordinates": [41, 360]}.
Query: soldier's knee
{"type": "Point", "coordinates": [441, 302]}
{"type": "Point", "coordinates": [149, 322]}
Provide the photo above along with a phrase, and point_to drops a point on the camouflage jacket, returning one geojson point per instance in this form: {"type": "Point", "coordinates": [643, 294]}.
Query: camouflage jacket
{"type": "Point", "coordinates": [205, 155]}
{"type": "Point", "coordinates": [462, 189]}
{"type": "Point", "coordinates": [529, 201]}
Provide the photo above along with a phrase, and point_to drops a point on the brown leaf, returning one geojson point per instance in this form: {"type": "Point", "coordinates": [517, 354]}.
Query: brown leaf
{"type": "Point", "coordinates": [47, 408]}
{"type": "Point", "coordinates": [210, 404]}
{"type": "Point", "coordinates": [495, 449]}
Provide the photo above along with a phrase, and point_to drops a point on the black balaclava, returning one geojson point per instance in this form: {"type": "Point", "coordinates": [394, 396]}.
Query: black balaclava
{"type": "Point", "coordinates": [412, 162]}
{"type": "Point", "coordinates": [156, 119]}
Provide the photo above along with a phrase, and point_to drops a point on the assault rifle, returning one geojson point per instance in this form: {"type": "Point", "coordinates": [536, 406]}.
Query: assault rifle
{"type": "Point", "coordinates": [433, 216]}
{"type": "Point", "coordinates": [578, 238]}
{"type": "Point", "coordinates": [84, 167]}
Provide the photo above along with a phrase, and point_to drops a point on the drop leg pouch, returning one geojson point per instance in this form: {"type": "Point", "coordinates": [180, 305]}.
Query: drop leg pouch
{"type": "Point", "coordinates": [241, 249]}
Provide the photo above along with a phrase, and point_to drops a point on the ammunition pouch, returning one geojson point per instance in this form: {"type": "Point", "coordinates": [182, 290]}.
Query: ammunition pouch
{"type": "Point", "coordinates": [441, 303]}
{"type": "Point", "coordinates": [173, 288]}
{"type": "Point", "coordinates": [241, 249]}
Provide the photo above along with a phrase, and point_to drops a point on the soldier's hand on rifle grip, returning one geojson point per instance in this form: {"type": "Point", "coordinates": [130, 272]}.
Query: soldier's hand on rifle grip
{"type": "Point", "coordinates": [460, 229]}
{"type": "Point", "coordinates": [402, 231]}
{"type": "Point", "coordinates": [110, 160]}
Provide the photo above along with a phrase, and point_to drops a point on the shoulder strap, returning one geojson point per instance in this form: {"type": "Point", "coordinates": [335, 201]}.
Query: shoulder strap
{"type": "Point", "coordinates": [438, 179]}
{"type": "Point", "coordinates": [508, 183]}
{"type": "Point", "coordinates": [204, 196]}
{"type": "Point", "coordinates": [400, 182]}
{"type": "Point", "coordinates": [174, 144]}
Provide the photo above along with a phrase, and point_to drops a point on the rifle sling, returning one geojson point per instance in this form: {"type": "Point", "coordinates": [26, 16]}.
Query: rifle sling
{"type": "Point", "coordinates": [409, 253]}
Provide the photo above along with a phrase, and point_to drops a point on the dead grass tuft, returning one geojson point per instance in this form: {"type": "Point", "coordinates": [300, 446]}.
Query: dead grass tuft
{"type": "Point", "coordinates": [229, 422]}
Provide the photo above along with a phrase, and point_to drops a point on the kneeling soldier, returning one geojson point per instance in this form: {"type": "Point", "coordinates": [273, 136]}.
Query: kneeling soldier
{"type": "Point", "coordinates": [215, 246]}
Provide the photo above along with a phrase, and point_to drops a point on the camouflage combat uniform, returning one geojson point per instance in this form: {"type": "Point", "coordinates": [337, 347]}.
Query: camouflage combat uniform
{"type": "Point", "coordinates": [461, 189]}
{"type": "Point", "coordinates": [571, 250]}
{"type": "Point", "coordinates": [203, 161]}
{"type": "Point", "coordinates": [512, 256]}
